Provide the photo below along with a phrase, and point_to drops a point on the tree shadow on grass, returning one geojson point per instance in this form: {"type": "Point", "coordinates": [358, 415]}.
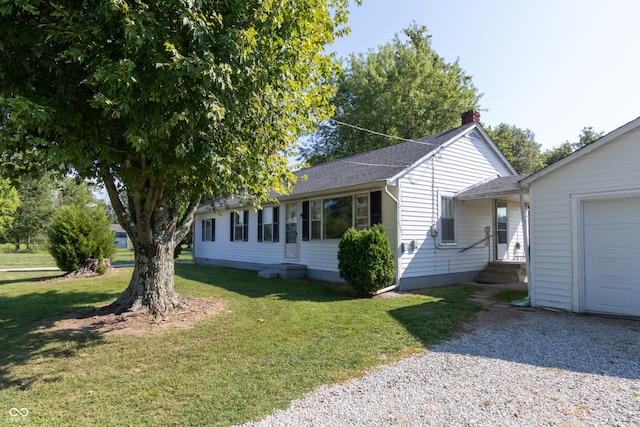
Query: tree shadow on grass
{"type": "Point", "coordinates": [248, 283]}
{"type": "Point", "coordinates": [29, 279]}
{"type": "Point", "coordinates": [440, 319]}
{"type": "Point", "coordinates": [24, 330]}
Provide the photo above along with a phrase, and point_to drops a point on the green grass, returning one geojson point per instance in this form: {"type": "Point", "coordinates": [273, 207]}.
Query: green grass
{"type": "Point", "coordinates": [276, 340]}
{"type": "Point", "coordinates": [42, 258]}
{"type": "Point", "coordinates": [508, 295]}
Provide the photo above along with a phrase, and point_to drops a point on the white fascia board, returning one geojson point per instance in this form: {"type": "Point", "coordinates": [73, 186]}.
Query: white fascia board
{"type": "Point", "coordinates": [632, 125]}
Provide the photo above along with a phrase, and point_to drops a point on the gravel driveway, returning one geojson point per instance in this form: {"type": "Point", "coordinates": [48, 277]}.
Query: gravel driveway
{"type": "Point", "coordinates": [513, 367]}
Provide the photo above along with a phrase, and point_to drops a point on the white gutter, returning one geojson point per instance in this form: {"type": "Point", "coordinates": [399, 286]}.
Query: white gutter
{"type": "Point", "coordinates": [398, 235]}
{"type": "Point", "coordinates": [525, 238]}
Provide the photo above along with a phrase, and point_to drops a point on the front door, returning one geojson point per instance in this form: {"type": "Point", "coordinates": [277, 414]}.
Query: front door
{"type": "Point", "coordinates": [291, 239]}
{"type": "Point", "coordinates": [502, 220]}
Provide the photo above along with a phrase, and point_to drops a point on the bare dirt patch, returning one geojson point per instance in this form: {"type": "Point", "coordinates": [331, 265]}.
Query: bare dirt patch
{"type": "Point", "coordinates": [103, 321]}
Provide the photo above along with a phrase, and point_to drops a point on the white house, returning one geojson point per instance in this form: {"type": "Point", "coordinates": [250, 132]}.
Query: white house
{"type": "Point", "coordinates": [585, 228]}
{"type": "Point", "coordinates": [449, 203]}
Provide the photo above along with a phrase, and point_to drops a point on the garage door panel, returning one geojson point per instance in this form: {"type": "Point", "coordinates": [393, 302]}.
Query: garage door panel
{"type": "Point", "coordinates": [612, 299]}
{"type": "Point", "coordinates": [611, 245]}
{"type": "Point", "coordinates": [607, 269]}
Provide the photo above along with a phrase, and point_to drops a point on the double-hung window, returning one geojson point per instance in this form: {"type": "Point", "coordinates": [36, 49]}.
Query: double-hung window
{"type": "Point", "coordinates": [447, 220]}
{"type": "Point", "coordinates": [209, 230]}
{"type": "Point", "coordinates": [268, 224]}
{"type": "Point", "coordinates": [239, 226]}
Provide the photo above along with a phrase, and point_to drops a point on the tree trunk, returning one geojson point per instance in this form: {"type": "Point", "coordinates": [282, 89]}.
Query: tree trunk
{"type": "Point", "coordinates": [155, 225]}
{"type": "Point", "coordinates": [151, 285]}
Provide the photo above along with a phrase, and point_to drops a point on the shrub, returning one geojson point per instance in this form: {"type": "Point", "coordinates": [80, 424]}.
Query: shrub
{"type": "Point", "coordinates": [102, 267]}
{"type": "Point", "coordinates": [365, 260]}
{"type": "Point", "coordinates": [78, 233]}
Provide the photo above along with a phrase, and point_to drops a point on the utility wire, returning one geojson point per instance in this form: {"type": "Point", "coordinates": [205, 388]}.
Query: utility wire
{"type": "Point", "coordinates": [381, 134]}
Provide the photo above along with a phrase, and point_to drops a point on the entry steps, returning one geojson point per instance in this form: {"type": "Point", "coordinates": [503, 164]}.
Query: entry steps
{"type": "Point", "coordinates": [503, 272]}
{"type": "Point", "coordinates": [283, 271]}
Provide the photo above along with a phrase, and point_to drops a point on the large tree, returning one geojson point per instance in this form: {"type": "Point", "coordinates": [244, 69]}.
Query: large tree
{"type": "Point", "coordinates": [9, 202]}
{"type": "Point", "coordinates": [33, 216]}
{"type": "Point", "coordinates": [587, 136]}
{"type": "Point", "coordinates": [519, 147]}
{"type": "Point", "coordinates": [166, 102]}
{"type": "Point", "coordinates": [404, 89]}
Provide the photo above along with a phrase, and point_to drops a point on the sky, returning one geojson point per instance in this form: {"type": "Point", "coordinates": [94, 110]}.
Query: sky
{"type": "Point", "coordinates": [551, 66]}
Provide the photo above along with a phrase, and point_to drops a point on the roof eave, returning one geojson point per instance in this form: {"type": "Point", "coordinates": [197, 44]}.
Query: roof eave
{"type": "Point", "coordinates": [632, 125]}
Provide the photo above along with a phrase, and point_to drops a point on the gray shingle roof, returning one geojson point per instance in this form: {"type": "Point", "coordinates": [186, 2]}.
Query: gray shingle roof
{"type": "Point", "coordinates": [496, 186]}
{"type": "Point", "coordinates": [373, 166]}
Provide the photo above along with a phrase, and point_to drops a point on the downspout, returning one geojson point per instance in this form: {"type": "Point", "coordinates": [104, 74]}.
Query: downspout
{"type": "Point", "coordinates": [398, 231]}
{"type": "Point", "coordinates": [525, 238]}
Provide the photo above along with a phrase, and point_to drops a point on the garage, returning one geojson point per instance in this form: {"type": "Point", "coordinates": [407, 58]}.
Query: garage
{"type": "Point", "coordinates": [584, 228]}
{"type": "Point", "coordinates": [612, 256]}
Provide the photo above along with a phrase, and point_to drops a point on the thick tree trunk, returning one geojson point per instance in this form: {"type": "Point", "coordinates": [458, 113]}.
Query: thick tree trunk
{"type": "Point", "coordinates": [151, 285]}
{"type": "Point", "coordinates": [155, 225]}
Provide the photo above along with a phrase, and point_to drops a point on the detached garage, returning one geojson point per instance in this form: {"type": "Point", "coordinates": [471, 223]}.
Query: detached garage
{"type": "Point", "coordinates": [585, 228]}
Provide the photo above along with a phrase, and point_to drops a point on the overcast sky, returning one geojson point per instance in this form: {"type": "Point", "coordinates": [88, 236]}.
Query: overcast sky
{"type": "Point", "coordinates": [551, 66]}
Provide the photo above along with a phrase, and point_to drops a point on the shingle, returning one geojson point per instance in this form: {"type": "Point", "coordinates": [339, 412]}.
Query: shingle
{"type": "Point", "coordinates": [373, 166]}
{"type": "Point", "coordinates": [498, 185]}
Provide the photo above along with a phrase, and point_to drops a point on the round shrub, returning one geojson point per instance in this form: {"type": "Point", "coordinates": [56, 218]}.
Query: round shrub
{"type": "Point", "coordinates": [365, 260]}
{"type": "Point", "coordinates": [78, 233]}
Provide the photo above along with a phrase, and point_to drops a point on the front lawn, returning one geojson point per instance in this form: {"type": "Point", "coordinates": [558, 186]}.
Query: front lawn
{"type": "Point", "coordinates": [276, 340]}
{"type": "Point", "coordinates": [42, 258]}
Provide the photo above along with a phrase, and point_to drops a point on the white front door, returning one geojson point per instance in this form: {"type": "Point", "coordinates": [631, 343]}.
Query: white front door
{"type": "Point", "coordinates": [502, 222]}
{"type": "Point", "coordinates": [291, 237]}
{"type": "Point", "coordinates": [611, 245]}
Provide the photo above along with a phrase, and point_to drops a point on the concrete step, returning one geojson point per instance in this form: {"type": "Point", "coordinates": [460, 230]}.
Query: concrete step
{"type": "Point", "coordinates": [283, 270]}
{"type": "Point", "coordinates": [497, 277]}
{"type": "Point", "coordinates": [503, 272]}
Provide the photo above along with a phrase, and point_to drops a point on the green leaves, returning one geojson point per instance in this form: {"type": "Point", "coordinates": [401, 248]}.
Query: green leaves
{"type": "Point", "coordinates": [402, 89]}
{"type": "Point", "coordinates": [365, 260]}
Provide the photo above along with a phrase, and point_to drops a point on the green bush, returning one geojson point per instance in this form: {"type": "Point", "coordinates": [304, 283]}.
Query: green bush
{"type": "Point", "coordinates": [365, 260]}
{"type": "Point", "coordinates": [78, 233]}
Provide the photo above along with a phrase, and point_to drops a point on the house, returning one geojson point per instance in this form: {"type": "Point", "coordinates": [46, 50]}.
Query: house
{"type": "Point", "coordinates": [122, 240]}
{"type": "Point", "coordinates": [585, 228]}
{"type": "Point", "coordinates": [449, 203]}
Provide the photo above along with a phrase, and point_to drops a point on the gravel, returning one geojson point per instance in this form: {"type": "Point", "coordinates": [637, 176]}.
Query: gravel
{"type": "Point", "coordinates": [533, 368]}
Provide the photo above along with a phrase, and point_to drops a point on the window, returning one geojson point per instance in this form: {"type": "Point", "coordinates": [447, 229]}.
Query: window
{"type": "Point", "coordinates": [447, 223]}
{"type": "Point", "coordinates": [209, 230]}
{"type": "Point", "coordinates": [501, 221]}
{"type": "Point", "coordinates": [362, 212]}
{"type": "Point", "coordinates": [268, 225]}
{"type": "Point", "coordinates": [337, 216]}
{"type": "Point", "coordinates": [239, 226]}
{"type": "Point", "coordinates": [316, 219]}
{"type": "Point", "coordinates": [330, 218]}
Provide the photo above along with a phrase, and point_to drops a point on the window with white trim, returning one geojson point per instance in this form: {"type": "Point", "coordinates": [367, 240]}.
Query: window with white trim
{"type": "Point", "coordinates": [268, 224]}
{"type": "Point", "coordinates": [447, 220]}
{"type": "Point", "coordinates": [330, 218]}
{"type": "Point", "coordinates": [209, 230]}
{"type": "Point", "coordinates": [239, 226]}
{"type": "Point", "coordinates": [316, 219]}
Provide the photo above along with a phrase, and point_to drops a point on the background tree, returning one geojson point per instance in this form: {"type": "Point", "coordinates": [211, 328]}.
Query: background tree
{"type": "Point", "coordinates": [519, 146]}
{"type": "Point", "coordinates": [75, 191]}
{"type": "Point", "coordinates": [9, 202]}
{"type": "Point", "coordinates": [78, 233]}
{"type": "Point", "coordinates": [404, 89]}
{"type": "Point", "coordinates": [165, 102]}
{"type": "Point", "coordinates": [33, 216]}
{"type": "Point", "coordinates": [587, 136]}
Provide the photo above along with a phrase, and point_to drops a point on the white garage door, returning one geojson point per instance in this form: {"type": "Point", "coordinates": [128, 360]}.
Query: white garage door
{"type": "Point", "coordinates": [612, 256]}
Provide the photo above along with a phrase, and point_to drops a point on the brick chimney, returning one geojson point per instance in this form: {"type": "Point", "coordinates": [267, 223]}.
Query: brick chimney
{"type": "Point", "coordinates": [471, 116]}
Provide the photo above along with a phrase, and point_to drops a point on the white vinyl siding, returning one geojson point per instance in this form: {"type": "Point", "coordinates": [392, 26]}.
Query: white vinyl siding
{"type": "Point", "coordinates": [318, 255]}
{"type": "Point", "coordinates": [555, 209]}
{"type": "Point", "coordinates": [464, 163]}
